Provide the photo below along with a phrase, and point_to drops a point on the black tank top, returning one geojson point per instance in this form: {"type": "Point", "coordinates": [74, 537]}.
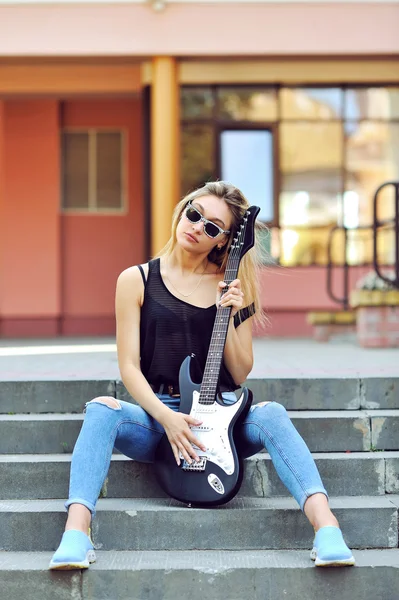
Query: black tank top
{"type": "Point", "coordinates": [170, 330]}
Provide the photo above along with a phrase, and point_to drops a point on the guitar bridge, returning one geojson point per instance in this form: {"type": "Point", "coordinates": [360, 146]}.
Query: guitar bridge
{"type": "Point", "coordinates": [195, 466]}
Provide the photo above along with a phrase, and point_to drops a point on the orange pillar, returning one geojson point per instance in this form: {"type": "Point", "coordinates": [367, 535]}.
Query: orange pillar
{"type": "Point", "coordinates": [165, 126]}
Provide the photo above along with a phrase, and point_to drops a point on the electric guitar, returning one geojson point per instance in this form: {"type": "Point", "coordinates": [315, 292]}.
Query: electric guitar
{"type": "Point", "coordinates": [217, 477]}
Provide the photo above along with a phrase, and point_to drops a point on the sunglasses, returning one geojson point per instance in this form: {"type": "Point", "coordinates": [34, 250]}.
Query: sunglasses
{"type": "Point", "coordinates": [210, 228]}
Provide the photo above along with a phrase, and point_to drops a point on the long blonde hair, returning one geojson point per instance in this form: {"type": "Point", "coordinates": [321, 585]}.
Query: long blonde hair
{"type": "Point", "coordinates": [251, 262]}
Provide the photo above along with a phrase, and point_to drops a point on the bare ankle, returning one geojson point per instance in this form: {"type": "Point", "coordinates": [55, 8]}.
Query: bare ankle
{"type": "Point", "coordinates": [79, 518]}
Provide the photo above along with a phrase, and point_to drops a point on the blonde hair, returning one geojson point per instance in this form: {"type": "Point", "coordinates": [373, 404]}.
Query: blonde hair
{"type": "Point", "coordinates": [251, 262]}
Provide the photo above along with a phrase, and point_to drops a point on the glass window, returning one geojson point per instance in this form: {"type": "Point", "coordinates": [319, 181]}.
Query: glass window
{"type": "Point", "coordinates": [92, 170]}
{"type": "Point", "coordinates": [311, 103]}
{"type": "Point", "coordinates": [311, 180]}
{"type": "Point", "coordinates": [197, 152]}
{"type": "Point", "coordinates": [247, 104]}
{"type": "Point", "coordinates": [196, 102]}
{"type": "Point", "coordinates": [372, 103]}
{"type": "Point", "coordinates": [372, 158]}
{"type": "Point", "coordinates": [75, 170]}
{"type": "Point", "coordinates": [247, 161]}
{"type": "Point", "coordinates": [109, 170]}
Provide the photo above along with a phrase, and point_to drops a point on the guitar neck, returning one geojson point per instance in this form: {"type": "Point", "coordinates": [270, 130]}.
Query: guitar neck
{"type": "Point", "coordinates": [218, 340]}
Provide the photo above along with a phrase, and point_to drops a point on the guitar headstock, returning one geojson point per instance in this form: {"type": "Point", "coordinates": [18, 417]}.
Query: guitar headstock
{"type": "Point", "coordinates": [245, 235]}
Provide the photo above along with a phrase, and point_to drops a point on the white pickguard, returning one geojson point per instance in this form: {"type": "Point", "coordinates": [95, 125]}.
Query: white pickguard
{"type": "Point", "coordinates": [213, 433]}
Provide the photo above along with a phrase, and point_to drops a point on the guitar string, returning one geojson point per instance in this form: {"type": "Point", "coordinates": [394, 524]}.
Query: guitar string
{"type": "Point", "coordinates": [220, 326]}
{"type": "Point", "coordinates": [207, 397]}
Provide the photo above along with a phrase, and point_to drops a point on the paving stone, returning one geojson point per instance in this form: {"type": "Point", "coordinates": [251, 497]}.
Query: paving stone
{"type": "Point", "coordinates": [51, 396]}
{"type": "Point", "coordinates": [308, 394]}
{"type": "Point", "coordinates": [384, 429]}
{"type": "Point", "coordinates": [323, 431]}
{"type": "Point", "coordinates": [162, 524]}
{"type": "Point", "coordinates": [47, 476]}
{"type": "Point", "coordinates": [256, 575]}
{"type": "Point", "coordinates": [30, 434]}
{"type": "Point", "coordinates": [295, 394]}
{"type": "Point", "coordinates": [380, 393]}
{"type": "Point", "coordinates": [333, 431]}
{"type": "Point", "coordinates": [391, 473]}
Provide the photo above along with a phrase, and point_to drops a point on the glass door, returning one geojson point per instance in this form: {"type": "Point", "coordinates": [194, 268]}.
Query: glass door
{"type": "Point", "coordinates": [246, 159]}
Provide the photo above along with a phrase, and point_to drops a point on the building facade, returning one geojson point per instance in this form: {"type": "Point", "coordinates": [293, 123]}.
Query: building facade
{"type": "Point", "coordinates": [111, 112]}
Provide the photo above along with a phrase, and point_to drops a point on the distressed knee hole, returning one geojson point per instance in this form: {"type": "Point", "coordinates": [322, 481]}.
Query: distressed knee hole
{"type": "Point", "coordinates": [108, 401]}
{"type": "Point", "coordinates": [260, 404]}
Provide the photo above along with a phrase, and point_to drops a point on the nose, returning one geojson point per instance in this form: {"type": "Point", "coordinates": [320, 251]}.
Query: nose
{"type": "Point", "coordinates": [198, 226]}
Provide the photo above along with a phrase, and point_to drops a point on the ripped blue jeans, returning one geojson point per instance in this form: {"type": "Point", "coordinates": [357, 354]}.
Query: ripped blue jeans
{"type": "Point", "coordinates": [132, 431]}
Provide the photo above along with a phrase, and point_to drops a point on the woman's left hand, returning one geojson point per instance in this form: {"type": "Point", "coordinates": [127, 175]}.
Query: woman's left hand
{"type": "Point", "coordinates": [233, 297]}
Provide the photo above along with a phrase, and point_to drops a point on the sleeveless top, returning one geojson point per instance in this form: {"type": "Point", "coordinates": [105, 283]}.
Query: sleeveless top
{"type": "Point", "coordinates": [171, 329]}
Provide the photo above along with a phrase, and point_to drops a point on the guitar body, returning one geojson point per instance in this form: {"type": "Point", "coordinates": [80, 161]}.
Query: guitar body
{"type": "Point", "coordinates": [218, 476]}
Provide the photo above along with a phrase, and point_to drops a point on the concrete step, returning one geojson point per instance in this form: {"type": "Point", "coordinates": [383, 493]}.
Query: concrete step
{"type": "Point", "coordinates": [295, 394]}
{"type": "Point", "coordinates": [47, 476]}
{"type": "Point", "coordinates": [323, 431]}
{"type": "Point", "coordinates": [164, 524]}
{"type": "Point", "coordinates": [254, 575]}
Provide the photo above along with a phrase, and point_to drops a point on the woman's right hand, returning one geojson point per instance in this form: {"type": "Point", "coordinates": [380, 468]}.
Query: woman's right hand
{"type": "Point", "coordinates": [177, 428]}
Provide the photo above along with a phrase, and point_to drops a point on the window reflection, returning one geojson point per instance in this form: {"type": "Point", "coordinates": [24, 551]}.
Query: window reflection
{"type": "Point", "coordinates": [311, 103]}
{"type": "Point", "coordinates": [196, 102]}
{"type": "Point", "coordinates": [247, 104]}
{"type": "Point", "coordinates": [311, 180]}
{"type": "Point", "coordinates": [372, 157]}
{"type": "Point", "coordinates": [247, 159]}
{"type": "Point", "coordinates": [335, 148]}
{"type": "Point", "coordinates": [372, 103]}
{"type": "Point", "coordinates": [197, 152]}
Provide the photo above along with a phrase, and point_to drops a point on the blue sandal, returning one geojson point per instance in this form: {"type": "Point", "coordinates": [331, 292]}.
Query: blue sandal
{"type": "Point", "coordinates": [330, 550]}
{"type": "Point", "coordinates": [75, 551]}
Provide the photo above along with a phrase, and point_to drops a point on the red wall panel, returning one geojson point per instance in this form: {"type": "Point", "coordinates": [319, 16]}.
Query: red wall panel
{"type": "Point", "coordinates": [96, 248]}
{"type": "Point", "coordinates": [29, 225]}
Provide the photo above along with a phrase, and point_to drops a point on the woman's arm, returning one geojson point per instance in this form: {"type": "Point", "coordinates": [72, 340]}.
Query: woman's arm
{"type": "Point", "coordinates": [238, 355]}
{"type": "Point", "coordinates": [238, 352]}
{"type": "Point", "coordinates": [128, 301]}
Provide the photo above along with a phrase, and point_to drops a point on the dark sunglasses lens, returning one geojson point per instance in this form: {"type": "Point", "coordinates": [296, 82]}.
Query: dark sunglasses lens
{"type": "Point", "coordinates": [211, 229]}
{"type": "Point", "coordinates": [192, 215]}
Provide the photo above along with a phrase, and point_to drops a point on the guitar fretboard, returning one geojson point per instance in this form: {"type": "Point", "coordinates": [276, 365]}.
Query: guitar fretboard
{"type": "Point", "coordinates": [215, 353]}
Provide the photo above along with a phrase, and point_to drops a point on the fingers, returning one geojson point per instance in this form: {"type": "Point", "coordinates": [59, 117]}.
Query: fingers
{"type": "Point", "coordinates": [191, 421]}
{"type": "Point", "coordinates": [175, 452]}
{"type": "Point", "coordinates": [233, 297]}
{"type": "Point", "coordinates": [182, 441]}
{"type": "Point", "coordinates": [188, 451]}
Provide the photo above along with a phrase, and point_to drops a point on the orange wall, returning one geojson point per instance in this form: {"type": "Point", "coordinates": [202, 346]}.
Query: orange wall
{"type": "Point", "coordinates": [96, 248]}
{"type": "Point", "coordinates": [288, 294]}
{"type": "Point", "coordinates": [29, 226]}
{"type": "Point", "coordinates": [301, 289]}
{"type": "Point", "coordinates": [2, 202]}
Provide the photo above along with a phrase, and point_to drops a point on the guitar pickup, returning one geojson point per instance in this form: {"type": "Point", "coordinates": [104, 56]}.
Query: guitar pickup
{"type": "Point", "coordinates": [195, 466]}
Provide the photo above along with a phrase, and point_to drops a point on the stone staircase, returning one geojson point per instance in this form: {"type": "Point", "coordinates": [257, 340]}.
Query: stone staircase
{"type": "Point", "coordinates": [150, 547]}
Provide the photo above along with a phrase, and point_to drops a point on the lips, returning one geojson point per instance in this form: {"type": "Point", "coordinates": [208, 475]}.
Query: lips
{"type": "Point", "coordinates": [192, 238]}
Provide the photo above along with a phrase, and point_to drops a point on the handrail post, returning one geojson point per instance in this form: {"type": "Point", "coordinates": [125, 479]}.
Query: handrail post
{"type": "Point", "coordinates": [376, 224]}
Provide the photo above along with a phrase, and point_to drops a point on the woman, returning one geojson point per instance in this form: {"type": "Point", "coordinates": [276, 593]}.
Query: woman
{"type": "Point", "coordinates": [165, 310]}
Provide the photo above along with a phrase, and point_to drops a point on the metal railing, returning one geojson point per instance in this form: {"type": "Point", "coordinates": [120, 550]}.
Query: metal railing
{"type": "Point", "coordinates": [376, 228]}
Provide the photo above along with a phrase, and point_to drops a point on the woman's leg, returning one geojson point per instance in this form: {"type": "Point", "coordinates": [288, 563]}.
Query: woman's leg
{"type": "Point", "coordinates": [108, 422]}
{"type": "Point", "coordinates": [267, 425]}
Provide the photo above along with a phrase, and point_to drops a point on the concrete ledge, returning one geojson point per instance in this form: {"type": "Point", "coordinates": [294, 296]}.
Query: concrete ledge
{"type": "Point", "coordinates": [256, 575]}
{"type": "Point", "coordinates": [47, 476]}
{"type": "Point", "coordinates": [51, 396]}
{"type": "Point", "coordinates": [163, 524]}
{"type": "Point", "coordinates": [323, 431]}
{"type": "Point", "coordinates": [321, 393]}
